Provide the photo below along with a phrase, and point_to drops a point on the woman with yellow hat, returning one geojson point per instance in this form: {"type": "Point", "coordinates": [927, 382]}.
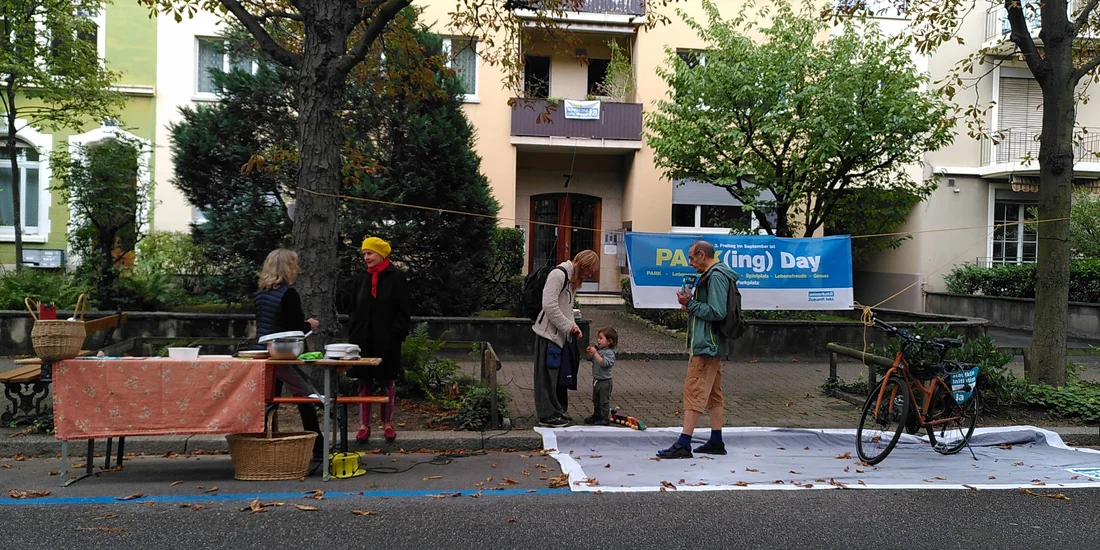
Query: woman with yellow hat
{"type": "Point", "coordinates": [381, 316]}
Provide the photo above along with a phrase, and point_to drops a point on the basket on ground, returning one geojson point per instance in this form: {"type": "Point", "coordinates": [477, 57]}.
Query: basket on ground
{"type": "Point", "coordinates": [57, 339]}
{"type": "Point", "coordinates": [267, 456]}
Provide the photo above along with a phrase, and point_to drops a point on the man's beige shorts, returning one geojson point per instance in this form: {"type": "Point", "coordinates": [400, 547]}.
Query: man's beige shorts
{"type": "Point", "coordinates": [703, 386]}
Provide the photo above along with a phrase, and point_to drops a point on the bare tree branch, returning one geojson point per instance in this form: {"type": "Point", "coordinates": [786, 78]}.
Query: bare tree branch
{"type": "Point", "coordinates": [378, 23]}
{"type": "Point", "coordinates": [272, 48]}
{"type": "Point", "coordinates": [1086, 68]}
{"type": "Point", "coordinates": [1021, 36]}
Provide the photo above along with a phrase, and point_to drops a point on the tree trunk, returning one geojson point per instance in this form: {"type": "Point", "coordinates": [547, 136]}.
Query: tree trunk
{"type": "Point", "coordinates": [16, 192]}
{"type": "Point", "coordinates": [1048, 342]}
{"type": "Point", "coordinates": [315, 232]}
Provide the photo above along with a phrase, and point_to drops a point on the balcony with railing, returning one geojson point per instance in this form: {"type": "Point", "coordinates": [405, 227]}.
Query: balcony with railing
{"type": "Point", "coordinates": [539, 118]}
{"type": "Point", "coordinates": [612, 7]}
{"type": "Point", "coordinates": [1017, 150]}
{"type": "Point", "coordinates": [997, 27]}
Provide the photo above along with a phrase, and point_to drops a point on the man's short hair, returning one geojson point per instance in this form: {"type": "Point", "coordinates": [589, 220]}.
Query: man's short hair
{"type": "Point", "coordinates": [702, 246]}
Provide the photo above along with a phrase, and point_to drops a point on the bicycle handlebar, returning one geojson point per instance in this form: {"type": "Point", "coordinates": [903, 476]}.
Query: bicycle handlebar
{"type": "Point", "coordinates": [895, 331]}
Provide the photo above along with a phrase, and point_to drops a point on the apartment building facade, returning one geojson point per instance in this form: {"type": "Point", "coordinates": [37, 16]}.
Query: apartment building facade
{"type": "Point", "coordinates": [127, 42]}
{"type": "Point", "coordinates": [988, 188]}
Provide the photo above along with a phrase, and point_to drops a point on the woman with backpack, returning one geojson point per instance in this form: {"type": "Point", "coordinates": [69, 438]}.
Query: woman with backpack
{"type": "Point", "coordinates": [557, 331]}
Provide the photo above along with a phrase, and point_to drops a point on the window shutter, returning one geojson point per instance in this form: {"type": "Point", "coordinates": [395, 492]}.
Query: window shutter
{"type": "Point", "coordinates": [1016, 108]}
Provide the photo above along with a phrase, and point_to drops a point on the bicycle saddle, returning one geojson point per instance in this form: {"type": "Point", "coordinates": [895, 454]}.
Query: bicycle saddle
{"type": "Point", "coordinates": [949, 342]}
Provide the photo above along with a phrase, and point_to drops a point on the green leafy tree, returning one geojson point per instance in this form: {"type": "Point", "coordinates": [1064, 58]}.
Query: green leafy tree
{"type": "Point", "coordinates": [323, 42]}
{"type": "Point", "coordinates": [107, 200]}
{"type": "Point", "coordinates": [428, 161]}
{"type": "Point", "coordinates": [1063, 58]}
{"type": "Point", "coordinates": [795, 115]}
{"type": "Point", "coordinates": [213, 150]}
{"type": "Point", "coordinates": [1084, 225]}
{"type": "Point", "coordinates": [51, 75]}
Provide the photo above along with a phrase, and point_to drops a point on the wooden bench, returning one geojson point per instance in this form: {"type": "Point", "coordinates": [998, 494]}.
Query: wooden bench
{"type": "Point", "coordinates": [28, 385]}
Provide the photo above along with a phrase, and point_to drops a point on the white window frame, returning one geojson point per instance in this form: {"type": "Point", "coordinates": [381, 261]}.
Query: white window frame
{"type": "Point", "coordinates": [754, 224]}
{"type": "Point", "coordinates": [992, 219]}
{"type": "Point", "coordinates": [197, 73]}
{"type": "Point", "coordinates": [447, 49]}
{"type": "Point", "coordinates": [44, 144]}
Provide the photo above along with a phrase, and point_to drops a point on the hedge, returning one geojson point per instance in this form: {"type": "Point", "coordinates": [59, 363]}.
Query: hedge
{"type": "Point", "coordinates": [1018, 281]}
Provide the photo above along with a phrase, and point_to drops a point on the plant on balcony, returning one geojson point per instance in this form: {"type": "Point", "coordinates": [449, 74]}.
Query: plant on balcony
{"type": "Point", "coordinates": [772, 108]}
{"type": "Point", "coordinates": [618, 83]}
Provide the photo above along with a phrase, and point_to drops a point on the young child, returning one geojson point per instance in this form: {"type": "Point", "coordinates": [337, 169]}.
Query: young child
{"type": "Point", "coordinates": [602, 356]}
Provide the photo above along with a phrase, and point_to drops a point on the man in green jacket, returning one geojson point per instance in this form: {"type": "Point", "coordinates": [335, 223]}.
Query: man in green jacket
{"type": "Point", "coordinates": [703, 386]}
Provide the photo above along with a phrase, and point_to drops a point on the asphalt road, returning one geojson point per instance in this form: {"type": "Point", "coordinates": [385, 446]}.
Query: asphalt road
{"type": "Point", "coordinates": [416, 509]}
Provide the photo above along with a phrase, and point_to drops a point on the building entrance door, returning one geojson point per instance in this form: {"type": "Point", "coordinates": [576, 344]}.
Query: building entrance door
{"type": "Point", "coordinates": [562, 225]}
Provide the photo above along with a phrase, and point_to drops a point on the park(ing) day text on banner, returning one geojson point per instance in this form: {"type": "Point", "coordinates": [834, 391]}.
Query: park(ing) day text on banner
{"type": "Point", "coordinates": [775, 273]}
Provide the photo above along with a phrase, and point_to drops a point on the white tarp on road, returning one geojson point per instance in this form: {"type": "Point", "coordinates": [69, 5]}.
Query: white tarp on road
{"type": "Point", "coordinates": [619, 459]}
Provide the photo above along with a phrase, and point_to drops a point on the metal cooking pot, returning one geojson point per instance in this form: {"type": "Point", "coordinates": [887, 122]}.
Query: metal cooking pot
{"type": "Point", "coordinates": [286, 348]}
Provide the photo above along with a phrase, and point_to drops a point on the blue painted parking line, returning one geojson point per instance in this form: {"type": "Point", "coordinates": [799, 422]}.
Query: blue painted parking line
{"type": "Point", "coordinates": [65, 501]}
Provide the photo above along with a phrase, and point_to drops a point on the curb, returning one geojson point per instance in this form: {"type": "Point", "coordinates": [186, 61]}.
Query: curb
{"type": "Point", "coordinates": [1078, 436]}
{"type": "Point", "coordinates": [45, 445]}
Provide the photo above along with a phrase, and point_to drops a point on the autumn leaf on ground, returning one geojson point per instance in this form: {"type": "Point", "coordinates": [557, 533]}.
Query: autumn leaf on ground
{"type": "Point", "coordinates": [211, 490]}
{"type": "Point", "coordinates": [104, 529]}
{"type": "Point", "coordinates": [778, 482]}
{"type": "Point", "coordinates": [1058, 496]}
{"type": "Point", "coordinates": [845, 456]}
{"type": "Point", "coordinates": [476, 495]}
{"type": "Point", "coordinates": [559, 481]}
{"type": "Point", "coordinates": [750, 470]}
{"type": "Point", "coordinates": [5, 466]}
{"type": "Point", "coordinates": [862, 483]}
{"type": "Point", "coordinates": [511, 520]}
{"type": "Point", "coordinates": [433, 477]}
{"type": "Point", "coordinates": [526, 473]}
{"type": "Point", "coordinates": [364, 512]}
{"type": "Point", "coordinates": [256, 507]}
{"type": "Point", "coordinates": [174, 483]}
{"type": "Point", "coordinates": [306, 508]}
{"type": "Point", "coordinates": [315, 495]}
{"type": "Point", "coordinates": [742, 484]}
{"type": "Point", "coordinates": [820, 480]}
{"type": "Point", "coordinates": [859, 470]}
{"type": "Point", "coordinates": [19, 457]}
{"type": "Point", "coordinates": [509, 481]}
{"type": "Point", "coordinates": [536, 465]}
{"type": "Point", "coordinates": [524, 456]}
{"type": "Point", "coordinates": [108, 516]}
{"type": "Point", "coordinates": [808, 485]}
{"type": "Point", "coordinates": [668, 484]}
{"type": "Point", "coordinates": [794, 472]}
{"type": "Point", "coordinates": [971, 487]}
{"type": "Point", "coordinates": [846, 468]}
{"type": "Point", "coordinates": [131, 497]}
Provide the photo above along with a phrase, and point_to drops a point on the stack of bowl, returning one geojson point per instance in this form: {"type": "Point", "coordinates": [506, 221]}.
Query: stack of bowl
{"type": "Point", "coordinates": [342, 351]}
{"type": "Point", "coordinates": [285, 345]}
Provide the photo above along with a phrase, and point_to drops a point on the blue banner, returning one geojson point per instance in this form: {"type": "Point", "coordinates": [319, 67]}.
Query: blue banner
{"type": "Point", "coordinates": [775, 273]}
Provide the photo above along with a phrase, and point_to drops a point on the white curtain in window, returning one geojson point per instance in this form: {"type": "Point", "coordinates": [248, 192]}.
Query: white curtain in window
{"type": "Point", "coordinates": [464, 54]}
{"type": "Point", "coordinates": [210, 57]}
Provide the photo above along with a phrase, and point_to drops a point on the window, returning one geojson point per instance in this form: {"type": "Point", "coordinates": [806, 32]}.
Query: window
{"type": "Point", "coordinates": [536, 76]}
{"type": "Point", "coordinates": [693, 58]}
{"type": "Point", "coordinates": [30, 186]}
{"type": "Point", "coordinates": [462, 57]}
{"type": "Point", "coordinates": [213, 57]}
{"type": "Point", "coordinates": [1014, 240]}
{"type": "Point", "coordinates": [712, 217]}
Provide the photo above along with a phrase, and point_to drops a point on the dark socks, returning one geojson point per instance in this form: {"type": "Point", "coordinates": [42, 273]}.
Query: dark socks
{"type": "Point", "coordinates": [684, 441]}
{"type": "Point", "coordinates": [715, 436]}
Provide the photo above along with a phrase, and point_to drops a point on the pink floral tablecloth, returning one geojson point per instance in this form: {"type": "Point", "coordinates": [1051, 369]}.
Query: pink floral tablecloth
{"type": "Point", "coordinates": [96, 398]}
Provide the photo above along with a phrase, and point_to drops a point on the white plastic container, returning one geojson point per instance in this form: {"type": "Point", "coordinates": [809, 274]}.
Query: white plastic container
{"type": "Point", "coordinates": [183, 353]}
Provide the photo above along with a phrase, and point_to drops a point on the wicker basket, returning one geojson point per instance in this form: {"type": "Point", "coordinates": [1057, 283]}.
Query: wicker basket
{"type": "Point", "coordinates": [260, 457]}
{"type": "Point", "coordinates": [57, 339]}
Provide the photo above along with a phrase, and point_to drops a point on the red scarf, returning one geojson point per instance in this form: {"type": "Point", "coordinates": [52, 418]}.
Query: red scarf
{"type": "Point", "coordinates": [374, 271]}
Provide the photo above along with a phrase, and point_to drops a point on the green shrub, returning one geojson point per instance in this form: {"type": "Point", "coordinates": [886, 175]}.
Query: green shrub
{"type": "Point", "coordinates": [425, 374]}
{"type": "Point", "coordinates": [474, 408]}
{"type": "Point", "coordinates": [58, 287]}
{"type": "Point", "coordinates": [671, 318]}
{"type": "Point", "coordinates": [1018, 281]}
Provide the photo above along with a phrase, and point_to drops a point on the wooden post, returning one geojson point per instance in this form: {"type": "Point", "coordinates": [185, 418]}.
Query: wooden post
{"type": "Point", "coordinates": [832, 365]}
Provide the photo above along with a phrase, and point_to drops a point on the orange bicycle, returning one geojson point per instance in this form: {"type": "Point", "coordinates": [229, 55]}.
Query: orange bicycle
{"type": "Point", "coordinates": [948, 405]}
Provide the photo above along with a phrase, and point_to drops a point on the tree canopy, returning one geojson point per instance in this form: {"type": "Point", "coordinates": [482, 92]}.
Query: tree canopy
{"type": "Point", "coordinates": [787, 122]}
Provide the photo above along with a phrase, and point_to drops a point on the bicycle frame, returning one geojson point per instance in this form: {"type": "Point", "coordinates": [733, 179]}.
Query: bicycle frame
{"type": "Point", "coordinates": [902, 366]}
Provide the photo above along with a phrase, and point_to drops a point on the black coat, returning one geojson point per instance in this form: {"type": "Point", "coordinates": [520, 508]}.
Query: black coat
{"type": "Point", "coordinates": [379, 324]}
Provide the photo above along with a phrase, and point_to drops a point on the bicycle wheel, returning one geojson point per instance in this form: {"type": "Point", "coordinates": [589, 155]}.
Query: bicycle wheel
{"type": "Point", "coordinates": [951, 436]}
{"type": "Point", "coordinates": [882, 422]}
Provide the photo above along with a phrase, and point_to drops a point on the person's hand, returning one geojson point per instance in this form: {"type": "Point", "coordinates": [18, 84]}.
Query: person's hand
{"type": "Point", "coordinates": [576, 331]}
{"type": "Point", "coordinates": [591, 350]}
{"type": "Point", "coordinates": [683, 297]}
{"type": "Point", "coordinates": [313, 323]}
